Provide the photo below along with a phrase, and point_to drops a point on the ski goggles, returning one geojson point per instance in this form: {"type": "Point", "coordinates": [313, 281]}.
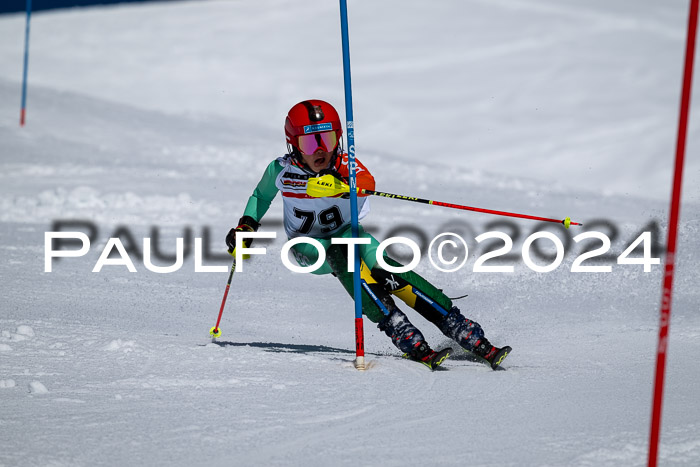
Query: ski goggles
{"type": "Point", "coordinates": [309, 144]}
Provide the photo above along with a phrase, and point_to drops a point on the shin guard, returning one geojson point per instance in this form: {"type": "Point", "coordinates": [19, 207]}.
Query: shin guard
{"type": "Point", "coordinates": [403, 334]}
{"type": "Point", "coordinates": [468, 334]}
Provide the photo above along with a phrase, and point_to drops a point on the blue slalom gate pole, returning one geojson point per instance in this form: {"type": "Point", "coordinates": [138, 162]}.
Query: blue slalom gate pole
{"type": "Point", "coordinates": [23, 110]}
{"type": "Point", "coordinates": [357, 291]}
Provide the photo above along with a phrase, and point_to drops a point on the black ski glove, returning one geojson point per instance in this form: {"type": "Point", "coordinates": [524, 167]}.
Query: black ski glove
{"type": "Point", "coordinates": [245, 224]}
{"type": "Point", "coordinates": [335, 174]}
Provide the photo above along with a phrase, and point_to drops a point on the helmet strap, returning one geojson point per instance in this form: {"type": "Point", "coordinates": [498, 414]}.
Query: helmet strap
{"type": "Point", "coordinates": [296, 155]}
{"type": "Point", "coordinates": [334, 158]}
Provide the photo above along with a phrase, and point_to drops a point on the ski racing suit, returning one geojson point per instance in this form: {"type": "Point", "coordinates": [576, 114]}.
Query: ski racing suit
{"type": "Point", "coordinates": [324, 218]}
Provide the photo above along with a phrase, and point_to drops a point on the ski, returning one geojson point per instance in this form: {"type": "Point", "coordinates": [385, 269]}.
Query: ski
{"type": "Point", "coordinates": [434, 361]}
{"type": "Point", "coordinates": [501, 355]}
{"type": "Point", "coordinates": [493, 361]}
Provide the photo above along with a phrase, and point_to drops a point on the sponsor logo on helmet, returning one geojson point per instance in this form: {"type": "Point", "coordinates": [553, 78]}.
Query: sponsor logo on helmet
{"type": "Point", "coordinates": [317, 127]}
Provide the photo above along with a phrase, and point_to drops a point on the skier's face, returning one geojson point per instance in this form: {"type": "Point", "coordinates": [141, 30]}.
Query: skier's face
{"type": "Point", "coordinates": [318, 161]}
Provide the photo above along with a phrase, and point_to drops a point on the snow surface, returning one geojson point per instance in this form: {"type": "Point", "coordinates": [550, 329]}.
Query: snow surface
{"type": "Point", "coordinates": [165, 115]}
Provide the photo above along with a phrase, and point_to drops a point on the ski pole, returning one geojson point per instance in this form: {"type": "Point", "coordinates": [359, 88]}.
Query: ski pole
{"type": "Point", "coordinates": [328, 185]}
{"type": "Point", "coordinates": [215, 332]}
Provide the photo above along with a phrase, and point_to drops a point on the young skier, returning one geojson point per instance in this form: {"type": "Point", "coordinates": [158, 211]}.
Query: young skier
{"type": "Point", "coordinates": [314, 131]}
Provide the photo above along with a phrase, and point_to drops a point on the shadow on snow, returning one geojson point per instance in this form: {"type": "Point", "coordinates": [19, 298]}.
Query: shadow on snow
{"type": "Point", "coordinates": [279, 347]}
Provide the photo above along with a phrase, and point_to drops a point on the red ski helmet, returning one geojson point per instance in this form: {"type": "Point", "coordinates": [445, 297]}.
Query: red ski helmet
{"type": "Point", "coordinates": [311, 125]}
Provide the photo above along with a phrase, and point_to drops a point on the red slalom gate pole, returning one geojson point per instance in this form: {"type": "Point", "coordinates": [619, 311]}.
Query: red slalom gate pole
{"type": "Point", "coordinates": [359, 339]}
{"type": "Point", "coordinates": [667, 291]}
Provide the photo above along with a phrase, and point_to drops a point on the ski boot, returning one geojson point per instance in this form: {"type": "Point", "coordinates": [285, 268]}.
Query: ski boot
{"type": "Point", "coordinates": [428, 357]}
{"type": "Point", "coordinates": [491, 354]}
{"type": "Point", "coordinates": [409, 340]}
{"type": "Point", "coordinates": [469, 335]}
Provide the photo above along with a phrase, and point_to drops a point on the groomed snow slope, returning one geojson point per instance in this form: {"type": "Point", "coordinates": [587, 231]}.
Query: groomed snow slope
{"type": "Point", "coordinates": [165, 116]}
